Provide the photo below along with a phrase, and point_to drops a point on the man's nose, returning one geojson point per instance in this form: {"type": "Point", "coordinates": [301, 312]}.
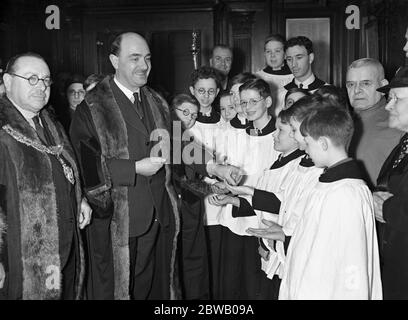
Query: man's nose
{"type": "Point", "coordinates": [41, 85]}
{"type": "Point", "coordinates": [357, 88]}
{"type": "Point", "coordinates": [143, 65]}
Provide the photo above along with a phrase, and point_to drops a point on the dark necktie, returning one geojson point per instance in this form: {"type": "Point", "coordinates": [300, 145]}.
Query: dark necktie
{"type": "Point", "coordinates": [402, 153]}
{"type": "Point", "coordinates": [39, 129]}
{"type": "Point", "coordinates": [138, 105]}
{"type": "Point", "coordinates": [301, 85]}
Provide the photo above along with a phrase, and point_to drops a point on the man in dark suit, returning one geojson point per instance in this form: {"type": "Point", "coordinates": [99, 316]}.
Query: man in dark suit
{"type": "Point", "coordinates": [135, 206]}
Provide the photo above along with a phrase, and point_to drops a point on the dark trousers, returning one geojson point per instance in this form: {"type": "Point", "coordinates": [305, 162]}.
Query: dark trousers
{"type": "Point", "coordinates": [214, 239]}
{"type": "Point", "coordinates": [100, 280]}
{"type": "Point", "coordinates": [193, 248]}
{"type": "Point", "coordinates": [150, 264]}
{"type": "Point", "coordinates": [241, 276]}
{"type": "Point", "coordinates": [69, 276]}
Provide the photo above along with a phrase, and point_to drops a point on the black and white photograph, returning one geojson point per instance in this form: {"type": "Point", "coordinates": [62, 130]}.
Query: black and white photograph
{"type": "Point", "coordinates": [203, 155]}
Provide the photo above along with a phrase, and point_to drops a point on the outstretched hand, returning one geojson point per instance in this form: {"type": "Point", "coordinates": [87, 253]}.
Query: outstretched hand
{"type": "Point", "coordinates": [222, 200]}
{"type": "Point", "coordinates": [230, 174]}
{"type": "Point", "coordinates": [240, 190]}
{"type": "Point", "coordinates": [273, 231]}
{"type": "Point", "coordinates": [219, 188]}
{"type": "Point", "coordinates": [149, 166]}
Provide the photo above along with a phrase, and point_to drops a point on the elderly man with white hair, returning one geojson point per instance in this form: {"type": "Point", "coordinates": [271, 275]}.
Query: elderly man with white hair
{"type": "Point", "coordinates": [373, 139]}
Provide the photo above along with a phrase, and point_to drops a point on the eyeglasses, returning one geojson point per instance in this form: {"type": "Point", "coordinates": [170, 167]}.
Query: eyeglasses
{"type": "Point", "coordinates": [251, 102]}
{"type": "Point", "coordinates": [210, 92]}
{"type": "Point", "coordinates": [365, 84]}
{"type": "Point", "coordinates": [187, 112]}
{"type": "Point", "coordinates": [33, 80]}
{"type": "Point", "coordinates": [79, 92]}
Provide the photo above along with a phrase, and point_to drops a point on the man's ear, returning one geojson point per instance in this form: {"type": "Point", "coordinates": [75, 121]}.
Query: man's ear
{"type": "Point", "coordinates": [268, 101]}
{"type": "Point", "coordinates": [7, 81]}
{"type": "Point", "coordinates": [311, 58]}
{"type": "Point", "coordinates": [114, 60]}
{"type": "Point", "coordinates": [384, 82]}
{"type": "Point", "coordinates": [211, 62]}
{"type": "Point", "coordinates": [218, 90]}
{"type": "Point", "coordinates": [324, 143]}
{"type": "Point", "coordinates": [191, 90]}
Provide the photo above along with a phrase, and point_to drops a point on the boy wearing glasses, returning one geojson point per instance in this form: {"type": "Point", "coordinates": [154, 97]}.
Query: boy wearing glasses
{"type": "Point", "coordinates": [191, 192]}
{"type": "Point", "coordinates": [237, 251]}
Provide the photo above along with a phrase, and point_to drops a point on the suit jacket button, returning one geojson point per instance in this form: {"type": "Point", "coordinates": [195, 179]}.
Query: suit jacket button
{"type": "Point", "coordinates": [147, 143]}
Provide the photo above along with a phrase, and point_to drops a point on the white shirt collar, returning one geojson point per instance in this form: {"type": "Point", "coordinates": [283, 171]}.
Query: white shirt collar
{"type": "Point", "coordinates": [28, 115]}
{"type": "Point", "coordinates": [241, 119]}
{"type": "Point", "coordinates": [307, 82]}
{"type": "Point", "coordinates": [128, 93]}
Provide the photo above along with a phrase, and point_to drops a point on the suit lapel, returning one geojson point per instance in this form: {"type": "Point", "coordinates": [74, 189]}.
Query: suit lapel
{"type": "Point", "coordinates": [128, 111]}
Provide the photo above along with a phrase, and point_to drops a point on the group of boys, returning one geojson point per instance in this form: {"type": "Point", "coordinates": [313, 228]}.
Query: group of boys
{"type": "Point", "coordinates": [301, 224]}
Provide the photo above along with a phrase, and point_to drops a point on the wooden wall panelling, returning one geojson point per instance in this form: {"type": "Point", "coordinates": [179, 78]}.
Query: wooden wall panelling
{"type": "Point", "coordinates": [161, 27]}
{"type": "Point", "coordinates": [241, 23]}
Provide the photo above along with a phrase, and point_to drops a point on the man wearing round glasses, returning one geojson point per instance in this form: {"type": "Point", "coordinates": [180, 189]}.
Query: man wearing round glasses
{"type": "Point", "coordinates": [40, 194]}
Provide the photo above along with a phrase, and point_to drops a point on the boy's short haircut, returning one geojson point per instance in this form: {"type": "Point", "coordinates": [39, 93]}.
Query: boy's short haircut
{"type": "Point", "coordinates": [300, 109]}
{"type": "Point", "coordinates": [300, 41]}
{"type": "Point", "coordinates": [295, 90]}
{"type": "Point", "coordinates": [258, 85]}
{"type": "Point", "coordinates": [284, 117]}
{"type": "Point", "coordinates": [242, 78]}
{"type": "Point", "coordinates": [223, 94]}
{"type": "Point", "coordinates": [335, 94]}
{"type": "Point", "coordinates": [275, 37]}
{"type": "Point", "coordinates": [205, 73]}
{"type": "Point", "coordinates": [181, 98]}
{"type": "Point", "coordinates": [331, 122]}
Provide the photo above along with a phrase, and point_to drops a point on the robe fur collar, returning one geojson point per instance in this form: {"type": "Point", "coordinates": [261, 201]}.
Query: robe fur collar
{"type": "Point", "coordinates": [39, 235]}
{"type": "Point", "coordinates": [111, 129]}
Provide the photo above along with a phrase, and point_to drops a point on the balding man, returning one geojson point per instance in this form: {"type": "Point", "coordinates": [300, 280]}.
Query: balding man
{"type": "Point", "coordinates": [221, 59]}
{"type": "Point", "coordinates": [40, 196]}
{"type": "Point", "coordinates": [133, 238]}
{"type": "Point", "coordinates": [373, 140]}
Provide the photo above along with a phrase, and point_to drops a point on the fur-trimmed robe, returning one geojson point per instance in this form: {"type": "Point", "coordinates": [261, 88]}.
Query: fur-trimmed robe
{"type": "Point", "coordinates": [112, 142]}
{"type": "Point", "coordinates": [29, 226]}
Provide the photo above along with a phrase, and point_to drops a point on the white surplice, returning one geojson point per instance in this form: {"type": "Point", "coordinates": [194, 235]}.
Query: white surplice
{"type": "Point", "coordinates": [333, 253]}
{"type": "Point", "coordinates": [293, 195]}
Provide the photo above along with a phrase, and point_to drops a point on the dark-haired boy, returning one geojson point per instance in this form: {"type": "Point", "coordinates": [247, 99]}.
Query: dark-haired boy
{"type": "Point", "coordinates": [299, 57]}
{"type": "Point", "coordinates": [333, 253]}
